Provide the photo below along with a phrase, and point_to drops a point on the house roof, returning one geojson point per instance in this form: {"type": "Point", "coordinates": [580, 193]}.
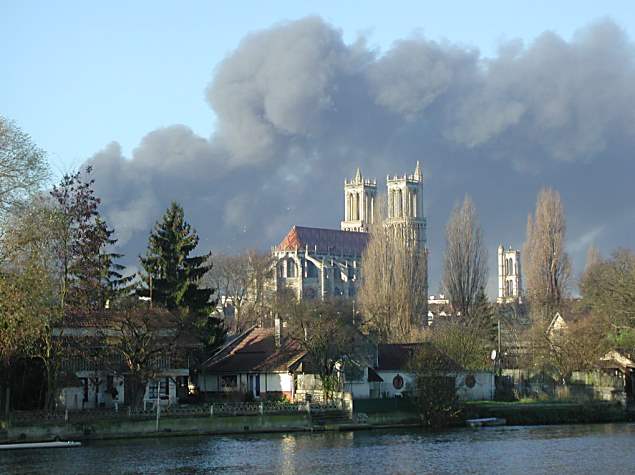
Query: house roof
{"type": "Point", "coordinates": [331, 241]}
{"type": "Point", "coordinates": [373, 377]}
{"type": "Point", "coordinates": [397, 356]}
{"type": "Point", "coordinates": [254, 351]}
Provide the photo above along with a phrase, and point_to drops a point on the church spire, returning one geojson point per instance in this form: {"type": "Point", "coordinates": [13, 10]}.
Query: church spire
{"type": "Point", "coordinates": [358, 176]}
{"type": "Point", "coordinates": [418, 173]}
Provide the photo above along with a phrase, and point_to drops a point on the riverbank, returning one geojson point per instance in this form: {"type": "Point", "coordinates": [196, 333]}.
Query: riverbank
{"type": "Point", "coordinates": [377, 416]}
{"type": "Point", "coordinates": [546, 413]}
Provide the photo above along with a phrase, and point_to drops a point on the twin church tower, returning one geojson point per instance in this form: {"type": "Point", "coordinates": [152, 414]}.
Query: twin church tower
{"type": "Point", "coordinates": [404, 204]}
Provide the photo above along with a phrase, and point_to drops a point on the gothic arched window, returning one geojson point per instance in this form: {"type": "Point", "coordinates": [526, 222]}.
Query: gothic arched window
{"type": "Point", "coordinates": [291, 268]}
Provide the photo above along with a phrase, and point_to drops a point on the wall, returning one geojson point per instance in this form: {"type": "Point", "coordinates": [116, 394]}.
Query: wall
{"type": "Point", "coordinates": [483, 389]}
{"type": "Point", "coordinates": [387, 389]}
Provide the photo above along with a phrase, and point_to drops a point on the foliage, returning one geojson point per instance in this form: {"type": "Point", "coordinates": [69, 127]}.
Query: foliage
{"type": "Point", "coordinates": [465, 260]}
{"type": "Point", "coordinates": [608, 291]}
{"type": "Point", "coordinates": [559, 352]}
{"type": "Point", "coordinates": [435, 392]}
{"type": "Point", "coordinates": [23, 167]}
{"type": "Point", "coordinates": [89, 274]}
{"type": "Point", "coordinates": [172, 276]}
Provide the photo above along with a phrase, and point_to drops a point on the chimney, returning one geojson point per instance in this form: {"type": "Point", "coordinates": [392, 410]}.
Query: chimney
{"type": "Point", "coordinates": [277, 330]}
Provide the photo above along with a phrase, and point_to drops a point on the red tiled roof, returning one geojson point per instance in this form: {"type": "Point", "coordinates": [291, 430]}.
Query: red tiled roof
{"type": "Point", "coordinates": [330, 241]}
{"type": "Point", "coordinates": [255, 352]}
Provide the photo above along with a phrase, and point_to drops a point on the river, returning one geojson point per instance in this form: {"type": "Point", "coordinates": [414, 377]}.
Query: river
{"type": "Point", "coordinates": [592, 449]}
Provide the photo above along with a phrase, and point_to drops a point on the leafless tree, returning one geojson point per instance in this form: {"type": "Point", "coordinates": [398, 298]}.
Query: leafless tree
{"type": "Point", "coordinates": [465, 261]}
{"type": "Point", "coordinates": [394, 286]}
{"type": "Point", "coordinates": [240, 279]}
{"type": "Point", "coordinates": [547, 266]}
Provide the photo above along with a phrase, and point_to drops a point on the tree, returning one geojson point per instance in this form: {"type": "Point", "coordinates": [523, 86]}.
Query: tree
{"type": "Point", "coordinates": [578, 346]}
{"type": "Point", "coordinates": [172, 276]}
{"type": "Point", "coordinates": [394, 286]}
{"type": "Point", "coordinates": [23, 167]}
{"type": "Point", "coordinates": [31, 278]}
{"type": "Point", "coordinates": [240, 279]}
{"type": "Point", "coordinates": [90, 275]}
{"type": "Point", "coordinates": [434, 391]}
{"type": "Point", "coordinates": [327, 331]}
{"type": "Point", "coordinates": [547, 266]}
{"type": "Point", "coordinates": [608, 290]}
{"type": "Point", "coordinates": [145, 340]}
{"type": "Point", "coordinates": [465, 260]}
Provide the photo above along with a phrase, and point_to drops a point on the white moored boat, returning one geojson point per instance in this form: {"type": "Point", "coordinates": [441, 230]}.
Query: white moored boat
{"type": "Point", "coordinates": [41, 445]}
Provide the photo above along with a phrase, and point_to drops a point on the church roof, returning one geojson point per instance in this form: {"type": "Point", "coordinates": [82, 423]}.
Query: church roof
{"type": "Point", "coordinates": [331, 241]}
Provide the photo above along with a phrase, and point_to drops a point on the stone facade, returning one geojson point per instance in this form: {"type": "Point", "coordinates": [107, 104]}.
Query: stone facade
{"type": "Point", "coordinates": [322, 263]}
{"type": "Point", "coordinates": [509, 276]}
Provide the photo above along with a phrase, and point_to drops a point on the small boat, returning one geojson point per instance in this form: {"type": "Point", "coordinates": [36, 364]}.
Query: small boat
{"type": "Point", "coordinates": [486, 422]}
{"type": "Point", "coordinates": [41, 445]}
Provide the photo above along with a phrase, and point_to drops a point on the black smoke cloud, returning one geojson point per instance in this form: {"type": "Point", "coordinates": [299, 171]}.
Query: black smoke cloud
{"type": "Point", "coordinates": [298, 110]}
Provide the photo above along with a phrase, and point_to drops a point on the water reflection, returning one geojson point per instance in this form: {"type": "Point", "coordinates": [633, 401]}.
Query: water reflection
{"type": "Point", "coordinates": [602, 448]}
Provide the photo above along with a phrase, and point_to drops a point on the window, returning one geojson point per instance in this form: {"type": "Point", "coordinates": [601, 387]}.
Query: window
{"type": "Point", "coordinates": [228, 382]}
{"type": "Point", "coordinates": [290, 268]}
{"type": "Point", "coordinates": [162, 388]}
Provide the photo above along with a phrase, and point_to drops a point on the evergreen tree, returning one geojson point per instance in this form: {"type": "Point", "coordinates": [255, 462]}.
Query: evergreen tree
{"type": "Point", "coordinates": [171, 276]}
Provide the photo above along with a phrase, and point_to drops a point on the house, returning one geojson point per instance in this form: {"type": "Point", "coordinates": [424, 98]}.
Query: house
{"type": "Point", "coordinates": [94, 373]}
{"type": "Point", "coordinates": [259, 363]}
{"type": "Point", "coordinates": [392, 375]}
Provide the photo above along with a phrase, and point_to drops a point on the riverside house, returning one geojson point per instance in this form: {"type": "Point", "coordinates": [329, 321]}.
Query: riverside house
{"type": "Point", "coordinates": [97, 350]}
{"type": "Point", "coordinates": [256, 364]}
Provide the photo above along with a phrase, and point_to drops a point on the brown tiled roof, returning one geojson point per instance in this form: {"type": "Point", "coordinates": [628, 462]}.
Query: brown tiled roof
{"type": "Point", "coordinates": [397, 356]}
{"type": "Point", "coordinates": [255, 352]}
{"type": "Point", "coordinates": [330, 241]}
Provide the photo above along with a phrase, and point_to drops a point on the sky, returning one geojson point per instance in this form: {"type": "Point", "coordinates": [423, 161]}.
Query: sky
{"type": "Point", "coordinates": [253, 113]}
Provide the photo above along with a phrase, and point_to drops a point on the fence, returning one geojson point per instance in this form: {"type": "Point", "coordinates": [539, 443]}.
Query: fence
{"type": "Point", "coordinates": [225, 409]}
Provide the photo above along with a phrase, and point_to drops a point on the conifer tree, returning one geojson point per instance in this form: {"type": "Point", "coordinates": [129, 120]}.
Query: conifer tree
{"type": "Point", "coordinates": [171, 276]}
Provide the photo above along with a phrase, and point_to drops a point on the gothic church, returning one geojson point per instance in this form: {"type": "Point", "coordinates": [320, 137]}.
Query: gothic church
{"type": "Point", "coordinates": [323, 263]}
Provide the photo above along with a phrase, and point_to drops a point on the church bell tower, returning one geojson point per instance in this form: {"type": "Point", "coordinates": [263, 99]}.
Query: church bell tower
{"type": "Point", "coordinates": [359, 203]}
{"type": "Point", "coordinates": [405, 205]}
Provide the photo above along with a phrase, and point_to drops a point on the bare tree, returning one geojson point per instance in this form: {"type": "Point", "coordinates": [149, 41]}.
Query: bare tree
{"type": "Point", "coordinates": [327, 331]}
{"type": "Point", "coordinates": [547, 266]}
{"type": "Point", "coordinates": [465, 262]}
{"type": "Point", "coordinates": [394, 285]}
{"type": "Point", "coordinates": [241, 281]}
{"type": "Point", "coordinates": [608, 290]}
{"type": "Point", "coordinates": [22, 165]}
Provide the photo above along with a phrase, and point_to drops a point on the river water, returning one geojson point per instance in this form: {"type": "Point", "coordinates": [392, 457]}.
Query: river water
{"type": "Point", "coordinates": [592, 449]}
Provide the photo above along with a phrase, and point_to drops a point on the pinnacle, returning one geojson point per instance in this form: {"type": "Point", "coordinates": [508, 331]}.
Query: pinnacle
{"type": "Point", "coordinates": [358, 176]}
{"type": "Point", "coordinates": [418, 173]}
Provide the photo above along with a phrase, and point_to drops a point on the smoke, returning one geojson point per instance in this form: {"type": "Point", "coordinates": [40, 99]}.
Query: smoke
{"type": "Point", "coordinates": [298, 110]}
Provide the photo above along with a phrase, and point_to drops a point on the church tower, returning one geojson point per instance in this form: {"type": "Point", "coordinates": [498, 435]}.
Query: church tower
{"type": "Point", "coordinates": [359, 203]}
{"type": "Point", "coordinates": [509, 281]}
{"type": "Point", "coordinates": [405, 205]}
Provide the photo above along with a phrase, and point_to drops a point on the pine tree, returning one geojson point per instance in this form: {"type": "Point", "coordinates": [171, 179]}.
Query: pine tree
{"type": "Point", "coordinates": [171, 274]}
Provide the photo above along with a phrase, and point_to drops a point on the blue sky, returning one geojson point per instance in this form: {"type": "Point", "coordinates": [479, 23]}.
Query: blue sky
{"type": "Point", "coordinates": [78, 75]}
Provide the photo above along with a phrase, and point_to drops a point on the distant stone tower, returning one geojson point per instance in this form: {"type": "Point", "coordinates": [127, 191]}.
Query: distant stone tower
{"type": "Point", "coordinates": [405, 205]}
{"type": "Point", "coordinates": [359, 203]}
{"type": "Point", "coordinates": [509, 281]}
